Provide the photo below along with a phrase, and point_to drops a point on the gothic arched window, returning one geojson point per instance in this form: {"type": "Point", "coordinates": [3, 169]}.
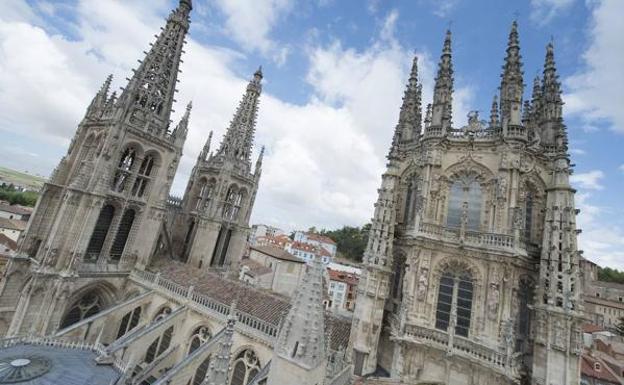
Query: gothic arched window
{"type": "Point", "coordinates": [204, 194]}
{"type": "Point", "coordinates": [143, 177]}
{"type": "Point", "coordinates": [100, 231]}
{"type": "Point", "coordinates": [201, 372]}
{"type": "Point", "coordinates": [245, 367]}
{"type": "Point", "coordinates": [200, 336]}
{"type": "Point", "coordinates": [411, 196]}
{"type": "Point", "coordinates": [454, 305]}
{"type": "Point", "coordinates": [89, 304]}
{"type": "Point", "coordinates": [233, 202]}
{"type": "Point", "coordinates": [159, 345]}
{"type": "Point", "coordinates": [129, 321]}
{"type": "Point", "coordinates": [125, 225]}
{"type": "Point", "coordinates": [464, 203]}
{"type": "Point", "coordinates": [124, 169]}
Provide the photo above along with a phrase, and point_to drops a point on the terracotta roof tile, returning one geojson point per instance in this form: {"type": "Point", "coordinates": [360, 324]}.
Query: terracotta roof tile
{"type": "Point", "coordinates": [8, 242]}
{"type": "Point", "coordinates": [262, 304]}
{"type": "Point", "coordinates": [13, 224]}
{"type": "Point", "coordinates": [278, 253]}
{"type": "Point", "coordinates": [590, 369]}
{"type": "Point", "coordinates": [15, 209]}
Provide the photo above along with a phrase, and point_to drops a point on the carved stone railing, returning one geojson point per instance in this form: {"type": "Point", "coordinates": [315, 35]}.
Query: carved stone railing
{"type": "Point", "coordinates": [104, 265]}
{"type": "Point", "coordinates": [97, 348]}
{"type": "Point", "coordinates": [518, 132]}
{"type": "Point", "coordinates": [474, 238]}
{"type": "Point", "coordinates": [205, 304]}
{"type": "Point", "coordinates": [460, 346]}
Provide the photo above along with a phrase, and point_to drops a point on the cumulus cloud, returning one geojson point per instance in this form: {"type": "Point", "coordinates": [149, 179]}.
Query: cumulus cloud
{"type": "Point", "coordinates": [594, 93]}
{"type": "Point", "coordinates": [588, 180]}
{"type": "Point", "coordinates": [543, 11]}
{"type": "Point", "coordinates": [324, 157]}
{"type": "Point", "coordinates": [250, 24]}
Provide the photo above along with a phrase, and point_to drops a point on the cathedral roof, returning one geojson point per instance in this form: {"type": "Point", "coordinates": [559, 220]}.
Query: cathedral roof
{"type": "Point", "coordinates": [259, 303]}
{"type": "Point", "coordinates": [278, 253]}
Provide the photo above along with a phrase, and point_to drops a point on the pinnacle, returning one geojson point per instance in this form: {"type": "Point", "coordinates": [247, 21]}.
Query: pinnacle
{"type": "Point", "coordinates": [447, 43]}
{"type": "Point", "coordinates": [258, 72]}
{"type": "Point", "coordinates": [188, 3]}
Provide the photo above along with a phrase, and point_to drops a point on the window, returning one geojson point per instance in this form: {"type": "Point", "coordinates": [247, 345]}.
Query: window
{"type": "Point", "coordinates": [143, 177]}
{"type": "Point", "coordinates": [125, 225]}
{"type": "Point", "coordinates": [464, 203]}
{"type": "Point", "coordinates": [129, 321]}
{"type": "Point", "coordinates": [89, 304]}
{"type": "Point", "coordinates": [454, 306]}
{"type": "Point", "coordinates": [528, 215]}
{"type": "Point", "coordinates": [100, 231]}
{"type": "Point", "coordinates": [201, 372]}
{"type": "Point", "coordinates": [245, 368]}
{"type": "Point", "coordinates": [200, 336]}
{"type": "Point", "coordinates": [233, 202]}
{"type": "Point", "coordinates": [124, 169]}
{"type": "Point", "coordinates": [204, 194]}
{"type": "Point", "coordinates": [159, 345]}
{"type": "Point", "coordinates": [411, 195]}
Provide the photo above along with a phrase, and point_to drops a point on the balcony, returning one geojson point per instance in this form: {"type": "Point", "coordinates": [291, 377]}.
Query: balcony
{"type": "Point", "coordinates": [462, 347]}
{"type": "Point", "coordinates": [469, 237]}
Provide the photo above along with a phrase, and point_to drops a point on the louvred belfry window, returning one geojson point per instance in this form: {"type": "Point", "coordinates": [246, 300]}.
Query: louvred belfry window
{"type": "Point", "coordinates": [143, 178]}
{"type": "Point", "coordinates": [124, 169]}
{"type": "Point", "coordinates": [123, 231]}
{"type": "Point", "coordinates": [100, 231]}
{"type": "Point", "coordinates": [233, 202]}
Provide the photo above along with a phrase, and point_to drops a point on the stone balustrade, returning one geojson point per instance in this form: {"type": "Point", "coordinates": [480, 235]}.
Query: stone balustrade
{"type": "Point", "coordinates": [473, 238]}
{"type": "Point", "coordinates": [460, 346]}
{"type": "Point", "coordinates": [205, 304]}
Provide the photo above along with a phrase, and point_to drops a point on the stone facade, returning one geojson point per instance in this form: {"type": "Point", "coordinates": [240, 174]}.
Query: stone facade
{"type": "Point", "coordinates": [472, 272]}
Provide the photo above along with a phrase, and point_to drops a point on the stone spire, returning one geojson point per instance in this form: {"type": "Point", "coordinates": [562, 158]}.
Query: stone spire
{"type": "Point", "coordinates": [238, 139]}
{"type": "Point", "coordinates": [494, 122]}
{"type": "Point", "coordinates": [511, 87]}
{"type": "Point", "coordinates": [99, 103]}
{"type": "Point", "coordinates": [180, 132]}
{"type": "Point", "coordinates": [553, 130]}
{"type": "Point", "coordinates": [441, 119]}
{"type": "Point", "coordinates": [206, 150]}
{"type": "Point", "coordinates": [149, 95]}
{"type": "Point", "coordinates": [220, 364]}
{"type": "Point", "coordinates": [302, 336]}
{"type": "Point", "coordinates": [410, 117]}
{"type": "Point", "coordinates": [259, 163]}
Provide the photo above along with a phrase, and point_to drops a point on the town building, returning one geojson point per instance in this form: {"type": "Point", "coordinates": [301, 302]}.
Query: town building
{"type": "Point", "coordinates": [342, 290]}
{"type": "Point", "coordinates": [18, 212]}
{"type": "Point", "coordinates": [12, 228]}
{"type": "Point", "coordinates": [604, 301]}
{"type": "Point", "coordinates": [261, 230]}
{"type": "Point", "coordinates": [272, 268]}
{"type": "Point", "coordinates": [317, 240]}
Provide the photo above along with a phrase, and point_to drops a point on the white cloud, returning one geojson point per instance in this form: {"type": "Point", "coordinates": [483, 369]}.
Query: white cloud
{"type": "Point", "coordinates": [324, 157]}
{"type": "Point", "coordinates": [543, 11]}
{"type": "Point", "coordinates": [250, 24]}
{"type": "Point", "coordinates": [588, 180]}
{"type": "Point", "coordinates": [594, 93]}
{"type": "Point", "coordinates": [621, 168]}
{"type": "Point", "coordinates": [443, 8]}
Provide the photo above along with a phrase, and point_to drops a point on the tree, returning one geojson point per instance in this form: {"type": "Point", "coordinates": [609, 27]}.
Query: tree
{"type": "Point", "coordinates": [350, 241]}
{"type": "Point", "coordinates": [607, 274]}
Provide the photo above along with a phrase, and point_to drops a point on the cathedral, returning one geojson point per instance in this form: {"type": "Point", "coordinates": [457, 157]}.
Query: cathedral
{"type": "Point", "coordinates": [471, 272]}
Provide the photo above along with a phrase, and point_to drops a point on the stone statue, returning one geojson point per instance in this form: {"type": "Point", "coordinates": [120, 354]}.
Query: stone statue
{"type": "Point", "coordinates": [493, 300]}
{"type": "Point", "coordinates": [422, 283]}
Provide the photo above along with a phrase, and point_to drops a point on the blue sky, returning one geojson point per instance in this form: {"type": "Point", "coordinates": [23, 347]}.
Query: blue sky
{"type": "Point", "coordinates": [334, 77]}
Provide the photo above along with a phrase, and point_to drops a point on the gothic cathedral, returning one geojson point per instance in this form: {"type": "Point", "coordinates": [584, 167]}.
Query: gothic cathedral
{"type": "Point", "coordinates": [472, 272]}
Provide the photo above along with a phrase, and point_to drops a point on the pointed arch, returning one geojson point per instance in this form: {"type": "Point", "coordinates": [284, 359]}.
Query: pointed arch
{"type": "Point", "coordinates": [100, 232]}
{"type": "Point", "coordinates": [123, 231]}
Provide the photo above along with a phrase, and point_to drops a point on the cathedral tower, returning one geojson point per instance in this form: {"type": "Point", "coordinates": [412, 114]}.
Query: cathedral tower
{"type": "Point", "coordinates": [471, 266]}
{"type": "Point", "coordinates": [103, 206]}
{"type": "Point", "coordinates": [219, 197]}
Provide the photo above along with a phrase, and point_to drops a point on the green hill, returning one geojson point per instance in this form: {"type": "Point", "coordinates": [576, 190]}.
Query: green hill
{"type": "Point", "coordinates": [23, 179]}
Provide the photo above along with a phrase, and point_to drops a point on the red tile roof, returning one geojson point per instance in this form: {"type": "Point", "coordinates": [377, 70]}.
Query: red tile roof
{"type": "Point", "coordinates": [262, 304]}
{"type": "Point", "coordinates": [8, 242]}
{"type": "Point", "coordinates": [278, 253]}
{"type": "Point", "coordinates": [15, 209]}
{"type": "Point", "coordinates": [350, 279]}
{"type": "Point", "coordinates": [591, 328]}
{"type": "Point", "coordinates": [320, 238]}
{"type": "Point", "coordinates": [595, 368]}
{"type": "Point", "coordinates": [13, 224]}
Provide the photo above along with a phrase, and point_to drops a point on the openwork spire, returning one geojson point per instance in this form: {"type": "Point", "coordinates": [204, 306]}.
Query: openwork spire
{"type": "Point", "coordinates": [511, 88]}
{"type": "Point", "coordinates": [443, 91]}
{"type": "Point", "coordinates": [301, 339]}
{"type": "Point", "coordinates": [238, 139]}
{"type": "Point", "coordinates": [259, 162]}
{"type": "Point", "coordinates": [553, 131]}
{"type": "Point", "coordinates": [149, 96]}
{"type": "Point", "coordinates": [410, 118]}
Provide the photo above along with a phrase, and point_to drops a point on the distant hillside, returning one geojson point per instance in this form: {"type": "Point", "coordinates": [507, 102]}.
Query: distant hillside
{"type": "Point", "coordinates": [21, 179]}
